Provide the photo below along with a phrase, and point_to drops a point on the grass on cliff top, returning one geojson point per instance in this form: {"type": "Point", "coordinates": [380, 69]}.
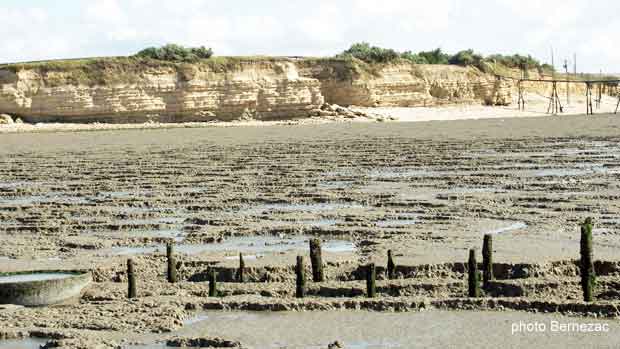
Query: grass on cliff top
{"type": "Point", "coordinates": [105, 70]}
{"type": "Point", "coordinates": [113, 70]}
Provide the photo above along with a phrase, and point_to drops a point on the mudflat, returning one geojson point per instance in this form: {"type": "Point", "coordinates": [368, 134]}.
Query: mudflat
{"type": "Point", "coordinates": [428, 191]}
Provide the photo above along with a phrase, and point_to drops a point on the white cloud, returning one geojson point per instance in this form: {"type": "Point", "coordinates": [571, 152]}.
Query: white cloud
{"type": "Point", "coordinates": [31, 30]}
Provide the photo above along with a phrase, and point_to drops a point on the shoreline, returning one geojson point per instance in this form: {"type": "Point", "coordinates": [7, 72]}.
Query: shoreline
{"type": "Point", "coordinates": [383, 114]}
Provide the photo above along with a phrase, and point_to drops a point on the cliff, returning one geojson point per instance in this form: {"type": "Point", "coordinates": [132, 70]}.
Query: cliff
{"type": "Point", "coordinates": [133, 90]}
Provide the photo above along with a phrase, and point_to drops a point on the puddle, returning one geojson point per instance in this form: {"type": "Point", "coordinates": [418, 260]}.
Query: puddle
{"type": "Point", "coordinates": [33, 277]}
{"type": "Point", "coordinates": [374, 330]}
{"type": "Point", "coordinates": [400, 173]}
{"type": "Point", "coordinates": [395, 223]}
{"type": "Point", "coordinates": [319, 222]}
{"type": "Point", "coordinates": [572, 171]}
{"type": "Point", "coordinates": [335, 184]}
{"type": "Point", "coordinates": [514, 226]}
{"type": "Point", "coordinates": [249, 256]}
{"type": "Point", "coordinates": [146, 221]}
{"type": "Point", "coordinates": [319, 207]}
{"type": "Point", "coordinates": [54, 197]}
{"type": "Point", "coordinates": [26, 343]}
{"type": "Point", "coordinates": [175, 234]}
{"type": "Point", "coordinates": [26, 200]}
{"type": "Point", "coordinates": [252, 245]}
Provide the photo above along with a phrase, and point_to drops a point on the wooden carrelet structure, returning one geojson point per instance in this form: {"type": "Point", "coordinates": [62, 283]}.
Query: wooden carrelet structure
{"type": "Point", "coordinates": [610, 87]}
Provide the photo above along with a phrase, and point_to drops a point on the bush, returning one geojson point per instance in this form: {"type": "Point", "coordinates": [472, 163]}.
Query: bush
{"type": "Point", "coordinates": [370, 54]}
{"type": "Point", "coordinates": [465, 58]}
{"type": "Point", "coordinates": [413, 57]}
{"type": "Point", "coordinates": [435, 56]}
{"type": "Point", "coordinates": [546, 68]}
{"type": "Point", "coordinates": [176, 53]}
{"type": "Point", "coordinates": [515, 61]}
{"type": "Point", "coordinates": [374, 54]}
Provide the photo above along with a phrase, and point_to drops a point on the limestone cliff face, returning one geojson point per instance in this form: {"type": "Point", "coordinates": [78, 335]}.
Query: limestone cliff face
{"type": "Point", "coordinates": [412, 85]}
{"type": "Point", "coordinates": [263, 90]}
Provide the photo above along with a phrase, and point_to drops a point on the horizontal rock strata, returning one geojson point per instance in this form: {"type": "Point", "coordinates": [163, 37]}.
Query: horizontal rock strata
{"type": "Point", "coordinates": [273, 89]}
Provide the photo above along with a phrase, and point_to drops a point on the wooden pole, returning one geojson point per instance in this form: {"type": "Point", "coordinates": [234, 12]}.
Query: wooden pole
{"type": "Point", "coordinates": [316, 260]}
{"type": "Point", "coordinates": [240, 272]}
{"type": "Point", "coordinates": [588, 277]}
{"type": "Point", "coordinates": [550, 107]}
{"type": "Point", "coordinates": [589, 110]}
{"type": "Point", "coordinates": [371, 277]}
{"type": "Point", "coordinates": [212, 283]}
{"type": "Point", "coordinates": [300, 272]}
{"type": "Point", "coordinates": [391, 267]}
{"type": "Point", "coordinates": [172, 267]}
{"type": "Point", "coordinates": [557, 98]}
{"type": "Point", "coordinates": [473, 275]}
{"type": "Point", "coordinates": [131, 280]}
{"type": "Point", "coordinates": [521, 100]}
{"type": "Point", "coordinates": [487, 260]}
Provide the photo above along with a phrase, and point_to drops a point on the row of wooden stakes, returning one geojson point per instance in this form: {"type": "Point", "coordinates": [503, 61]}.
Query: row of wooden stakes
{"type": "Point", "coordinates": [474, 276]}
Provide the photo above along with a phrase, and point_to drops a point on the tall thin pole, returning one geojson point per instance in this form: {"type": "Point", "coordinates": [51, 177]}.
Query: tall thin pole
{"type": "Point", "coordinates": [552, 63]}
{"type": "Point", "coordinates": [567, 83]}
{"type": "Point", "coordinates": [575, 64]}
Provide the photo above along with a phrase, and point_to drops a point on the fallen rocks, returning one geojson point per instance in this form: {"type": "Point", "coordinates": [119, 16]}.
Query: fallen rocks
{"type": "Point", "coordinates": [331, 111]}
{"type": "Point", "coordinates": [6, 119]}
{"type": "Point", "coordinates": [202, 342]}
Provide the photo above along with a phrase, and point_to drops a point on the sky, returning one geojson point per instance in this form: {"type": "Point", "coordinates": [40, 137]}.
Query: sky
{"type": "Point", "coordinates": [50, 29]}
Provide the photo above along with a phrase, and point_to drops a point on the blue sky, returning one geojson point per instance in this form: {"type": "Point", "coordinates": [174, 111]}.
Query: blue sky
{"type": "Point", "coordinates": [42, 29]}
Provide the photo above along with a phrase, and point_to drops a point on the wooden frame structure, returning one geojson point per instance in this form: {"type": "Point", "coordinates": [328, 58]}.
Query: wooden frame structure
{"type": "Point", "coordinates": [555, 105]}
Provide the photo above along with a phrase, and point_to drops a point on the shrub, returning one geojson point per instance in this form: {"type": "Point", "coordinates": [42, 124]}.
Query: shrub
{"type": "Point", "coordinates": [465, 58]}
{"type": "Point", "coordinates": [373, 54]}
{"type": "Point", "coordinates": [413, 57]}
{"type": "Point", "coordinates": [515, 61]}
{"type": "Point", "coordinates": [435, 56]}
{"type": "Point", "coordinates": [176, 53]}
{"type": "Point", "coordinates": [546, 68]}
{"type": "Point", "coordinates": [370, 54]}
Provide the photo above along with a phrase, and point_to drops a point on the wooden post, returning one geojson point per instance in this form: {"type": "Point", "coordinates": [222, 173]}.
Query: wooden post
{"type": "Point", "coordinates": [240, 272]}
{"type": "Point", "coordinates": [212, 283]}
{"type": "Point", "coordinates": [371, 277]}
{"type": "Point", "coordinates": [588, 277]}
{"type": "Point", "coordinates": [487, 260]}
{"type": "Point", "coordinates": [589, 110]}
{"type": "Point", "coordinates": [391, 267]}
{"type": "Point", "coordinates": [473, 280]}
{"type": "Point", "coordinates": [131, 280]}
{"type": "Point", "coordinates": [316, 260]}
{"type": "Point", "coordinates": [172, 267]}
{"type": "Point", "coordinates": [300, 272]}
{"type": "Point", "coordinates": [521, 100]}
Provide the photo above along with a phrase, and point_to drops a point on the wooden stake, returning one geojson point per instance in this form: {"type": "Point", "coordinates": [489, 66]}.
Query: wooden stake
{"type": "Point", "coordinates": [487, 260]}
{"type": "Point", "coordinates": [172, 267]}
{"type": "Point", "coordinates": [300, 272]}
{"type": "Point", "coordinates": [473, 275]}
{"type": "Point", "coordinates": [371, 277]}
{"type": "Point", "coordinates": [391, 267]}
{"type": "Point", "coordinates": [316, 260]}
{"type": "Point", "coordinates": [588, 277]}
{"type": "Point", "coordinates": [240, 272]}
{"type": "Point", "coordinates": [131, 280]}
{"type": "Point", "coordinates": [212, 283]}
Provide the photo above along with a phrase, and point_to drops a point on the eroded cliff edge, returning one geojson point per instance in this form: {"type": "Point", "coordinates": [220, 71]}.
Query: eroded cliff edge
{"type": "Point", "coordinates": [263, 89]}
